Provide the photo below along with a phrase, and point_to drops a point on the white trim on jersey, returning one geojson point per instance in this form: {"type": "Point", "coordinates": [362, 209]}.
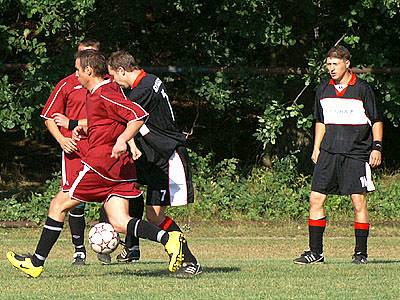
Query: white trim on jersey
{"type": "Point", "coordinates": [99, 85]}
{"type": "Point", "coordinates": [54, 99]}
{"type": "Point", "coordinates": [144, 130]}
{"type": "Point", "coordinates": [177, 181]}
{"type": "Point", "coordinates": [344, 111]}
{"type": "Point", "coordinates": [119, 104]}
{"type": "Point", "coordinates": [165, 96]}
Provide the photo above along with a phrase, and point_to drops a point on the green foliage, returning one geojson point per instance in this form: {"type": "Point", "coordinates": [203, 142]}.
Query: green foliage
{"type": "Point", "coordinates": [34, 207]}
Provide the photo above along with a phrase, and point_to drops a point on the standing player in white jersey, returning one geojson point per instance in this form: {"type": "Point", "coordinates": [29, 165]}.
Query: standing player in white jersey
{"type": "Point", "coordinates": [63, 111]}
{"type": "Point", "coordinates": [108, 172]}
{"type": "Point", "coordinates": [348, 141]}
{"type": "Point", "coordinates": [164, 166]}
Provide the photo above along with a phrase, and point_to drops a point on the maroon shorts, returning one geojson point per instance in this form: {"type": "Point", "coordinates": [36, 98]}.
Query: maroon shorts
{"type": "Point", "coordinates": [90, 186]}
{"type": "Point", "coordinates": [71, 165]}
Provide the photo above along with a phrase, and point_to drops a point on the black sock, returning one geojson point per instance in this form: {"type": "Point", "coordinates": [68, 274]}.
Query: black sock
{"type": "Point", "coordinates": [136, 209]}
{"type": "Point", "coordinates": [361, 232]}
{"type": "Point", "coordinates": [169, 225]}
{"type": "Point", "coordinates": [51, 232]}
{"type": "Point", "coordinates": [77, 225]}
{"type": "Point", "coordinates": [144, 230]}
{"type": "Point", "coordinates": [103, 215]}
{"type": "Point", "coordinates": [316, 230]}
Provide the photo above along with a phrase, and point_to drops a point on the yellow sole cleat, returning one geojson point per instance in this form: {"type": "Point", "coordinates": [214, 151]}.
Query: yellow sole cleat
{"type": "Point", "coordinates": [174, 249]}
{"type": "Point", "coordinates": [24, 264]}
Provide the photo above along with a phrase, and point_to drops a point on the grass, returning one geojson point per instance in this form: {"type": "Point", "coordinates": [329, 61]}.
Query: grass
{"type": "Point", "coordinates": [241, 261]}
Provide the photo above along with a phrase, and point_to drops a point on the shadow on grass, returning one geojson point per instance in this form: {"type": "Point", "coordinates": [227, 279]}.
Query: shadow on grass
{"type": "Point", "coordinates": [383, 261]}
{"type": "Point", "coordinates": [163, 273]}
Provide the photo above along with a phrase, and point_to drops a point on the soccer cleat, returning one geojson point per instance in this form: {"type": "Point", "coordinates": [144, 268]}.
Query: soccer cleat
{"type": "Point", "coordinates": [24, 263]}
{"type": "Point", "coordinates": [79, 259]}
{"type": "Point", "coordinates": [129, 255]}
{"type": "Point", "coordinates": [189, 269]}
{"type": "Point", "coordinates": [174, 249]}
{"type": "Point", "coordinates": [309, 257]}
{"type": "Point", "coordinates": [359, 258]}
{"type": "Point", "coordinates": [105, 258]}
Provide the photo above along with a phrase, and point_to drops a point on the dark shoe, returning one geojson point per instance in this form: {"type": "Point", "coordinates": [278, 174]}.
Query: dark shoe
{"type": "Point", "coordinates": [104, 258]}
{"type": "Point", "coordinates": [189, 269]}
{"type": "Point", "coordinates": [309, 257]}
{"type": "Point", "coordinates": [129, 255]}
{"type": "Point", "coordinates": [79, 259]}
{"type": "Point", "coordinates": [360, 259]}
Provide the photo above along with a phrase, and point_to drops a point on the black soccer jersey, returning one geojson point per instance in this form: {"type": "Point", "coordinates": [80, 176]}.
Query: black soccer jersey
{"type": "Point", "coordinates": [159, 136]}
{"type": "Point", "coordinates": [348, 112]}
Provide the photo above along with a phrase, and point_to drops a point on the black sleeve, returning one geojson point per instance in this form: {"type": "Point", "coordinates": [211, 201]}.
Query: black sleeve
{"type": "Point", "coordinates": [318, 112]}
{"type": "Point", "coordinates": [370, 105]}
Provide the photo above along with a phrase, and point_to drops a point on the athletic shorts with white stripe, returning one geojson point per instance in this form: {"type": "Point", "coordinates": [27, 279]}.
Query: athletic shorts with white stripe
{"type": "Point", "coordinates": [170, 183]}
{"type": "Point", "coordinates": [341, 175]}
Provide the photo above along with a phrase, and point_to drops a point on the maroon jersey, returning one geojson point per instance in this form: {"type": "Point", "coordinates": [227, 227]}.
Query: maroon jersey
{"type": "Point", "coordinates": [67, 98]}
{"type": "Point", "coordinates": [108, 112]}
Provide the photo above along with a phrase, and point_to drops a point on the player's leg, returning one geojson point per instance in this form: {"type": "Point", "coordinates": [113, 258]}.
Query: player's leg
{"type": "Point", "coordinates": [316, 228]}
{"type": "Point", "coordinates": [324, 181]}
{"type": "Point", "coordinates": [361, 228]}
{"type": "Point", "coordinates": [117, 212]}
{"type": "Point", "coordinates": [104, 258]}
{"type": "Point", "coordinates": [77, 224]}
{"type": "Point", "coordinates": [131, 251]}
{"type": "Point", "coordinates": [357, 181]}
{"type": "Point", "coordinates": [33, 265]}
{"type": "Point", "coordinates": [71, 166]}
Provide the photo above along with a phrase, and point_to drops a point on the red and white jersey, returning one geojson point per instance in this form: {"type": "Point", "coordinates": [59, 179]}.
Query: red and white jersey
{"type": "Point", "coordinates": [108, 112]}
{"type": "Point", "coordinates": [67, 98]}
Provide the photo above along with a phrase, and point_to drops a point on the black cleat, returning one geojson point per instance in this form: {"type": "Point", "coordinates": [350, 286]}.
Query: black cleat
{"type": "Point", "coordinates": [360, 259]}
{"type": "Point", "coordinates": [129, 255]}
{"type": "Point", "coordinates": [189, 269]}
{"type": "Point", "coordinates": [79, 259]}
{"type": "Point", "coordinates": [309, 257]}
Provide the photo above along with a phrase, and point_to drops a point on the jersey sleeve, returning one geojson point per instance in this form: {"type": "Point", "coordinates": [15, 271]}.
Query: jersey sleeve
{"type": "Point", "coordinates": [123, 110]}
{"type": "Point", "coordinates": [318, 112]}
{"type": "Point", "coordinates": [57, 101]}
{"type": "Point", "coordinates": [370, 105]}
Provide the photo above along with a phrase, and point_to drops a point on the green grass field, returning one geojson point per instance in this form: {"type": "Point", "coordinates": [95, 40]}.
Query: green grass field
{"type": "Point", "coordinates": [241, 261]}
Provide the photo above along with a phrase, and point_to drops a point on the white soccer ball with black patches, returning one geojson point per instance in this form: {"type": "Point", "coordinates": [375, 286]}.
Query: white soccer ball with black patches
{"type": "Point", "coordinates": [103, 238]}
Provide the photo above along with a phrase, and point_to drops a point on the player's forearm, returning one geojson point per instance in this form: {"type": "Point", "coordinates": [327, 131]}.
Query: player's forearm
{"type": "Point", "coordinates": [53, 129]}
{"type": "Point", "coordinates": [319, 134]}
{"type": "Point", "coordinates": [377, 131]}
{"type": "Point", "coordinates": [131, 130]}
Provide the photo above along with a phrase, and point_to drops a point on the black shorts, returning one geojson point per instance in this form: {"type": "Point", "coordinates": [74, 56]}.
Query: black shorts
{"type": "Point", "coordinates": [341, 175]}
{"type": "Point", "coordinates": [168, 183]}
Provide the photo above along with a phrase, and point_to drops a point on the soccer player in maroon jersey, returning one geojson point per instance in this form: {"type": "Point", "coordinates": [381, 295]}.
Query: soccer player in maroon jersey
{"type": "Point", "coordinates": [108, 174]}
{"type": "Point", "coordinates": [63, 109]}
{"type": "Point", "coordinates": [348, 142]}
{"type": "Point", "coordinates": [164, 166]}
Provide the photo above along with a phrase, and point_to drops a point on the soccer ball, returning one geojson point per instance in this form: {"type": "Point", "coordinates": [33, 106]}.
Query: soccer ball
{"type": "Point", "coordinates": [103, 238]}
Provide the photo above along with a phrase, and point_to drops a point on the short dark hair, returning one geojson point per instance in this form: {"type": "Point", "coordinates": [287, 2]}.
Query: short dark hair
{"type": "Point", "coordinates": [94, 59]}
{"type": "Point", "coordinates": [124, 60]}
{"type": "Point", "coordinates": [340, 52]}
{"type": "Point", "coordinates": [90, 43]}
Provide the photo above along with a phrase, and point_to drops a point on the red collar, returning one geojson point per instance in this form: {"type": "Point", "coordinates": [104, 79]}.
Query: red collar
{"type": "Point", "coordinates": [138, 78]}
{"type": "Point", "coordinates": [352, 80]}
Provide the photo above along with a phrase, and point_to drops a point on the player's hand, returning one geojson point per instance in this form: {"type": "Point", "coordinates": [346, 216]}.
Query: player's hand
{"type": "Point", "coordinates": [375, 158]}
{"type": "Point", "coordinates": [314, 155]}
{"type": "Point", "coordinates": [78, 132]}
{"type": "Point", "coordinates": [61, 120]}
{"type": "Point", "coordinates": [136, 153]}
{"type": "Point", "coordinates": [119, 148]}
{"type": "Point", "coordinates": [68, 145]}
